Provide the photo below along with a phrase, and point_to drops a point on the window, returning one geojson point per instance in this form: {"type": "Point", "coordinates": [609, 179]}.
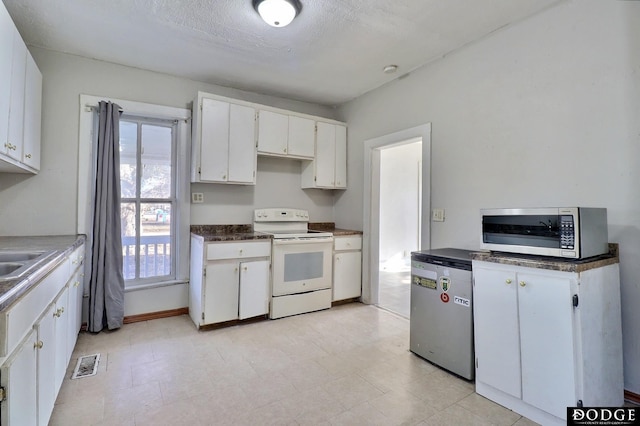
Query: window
{"type": "Point", "coordinates": [147, 182]}
{"type": "Point", "coordinates": [155, 143]}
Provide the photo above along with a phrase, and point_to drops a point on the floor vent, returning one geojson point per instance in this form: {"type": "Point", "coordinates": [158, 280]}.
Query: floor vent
{"type": "Point", "coordinates": [87, 366]}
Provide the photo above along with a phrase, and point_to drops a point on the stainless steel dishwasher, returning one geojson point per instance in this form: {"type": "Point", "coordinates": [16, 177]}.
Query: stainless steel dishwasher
{"type": "Point", "coordinates": [441, 322]}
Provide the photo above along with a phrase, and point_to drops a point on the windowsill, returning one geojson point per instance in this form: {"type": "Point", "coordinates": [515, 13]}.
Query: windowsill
{"type": "Point", "coordinates": [147, 286]}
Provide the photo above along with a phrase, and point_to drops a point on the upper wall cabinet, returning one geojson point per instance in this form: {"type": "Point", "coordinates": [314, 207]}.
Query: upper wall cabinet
{"type": "Point", "coordinates": [329, 169]}
{"type": "Point", "coordinates": [224, 142]}
{"type": "Point", "coordinates": [20, 102]}
{"type": "Point", "coordinates": [284, 135]}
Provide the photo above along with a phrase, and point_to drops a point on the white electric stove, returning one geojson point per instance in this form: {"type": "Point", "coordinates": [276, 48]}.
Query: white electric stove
{"type": "Point", "coordinates": [301, 272]}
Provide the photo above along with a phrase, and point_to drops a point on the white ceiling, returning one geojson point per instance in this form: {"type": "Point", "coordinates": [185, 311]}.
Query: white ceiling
{"type": "Point", "coordinates": [334, 51]}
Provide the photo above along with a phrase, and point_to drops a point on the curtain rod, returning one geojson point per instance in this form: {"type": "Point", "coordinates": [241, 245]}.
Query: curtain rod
{"type": "Point", "coordinates": [95, 107]}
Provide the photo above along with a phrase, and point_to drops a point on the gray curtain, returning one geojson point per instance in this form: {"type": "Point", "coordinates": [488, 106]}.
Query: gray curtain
{"type": "Point", "coordinates": [106, 287]}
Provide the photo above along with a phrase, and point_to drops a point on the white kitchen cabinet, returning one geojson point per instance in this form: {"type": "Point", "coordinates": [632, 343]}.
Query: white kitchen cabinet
{"type": "Point", "coordinates": [35, 339]}
{"type": "Point", "coordinates": [285, 135]}
{"type": "Point", "coordinates": [537, 353]}
{"type": "Point", "coordinates": [62, 324]}
{"type": "Point", "coordinates": [347, 267]}
{"type": "Point", "coordinates": [75, 310]}
{"type": "Point", "coordinates": [18, 379]}
{"type": "Point", "coordinates": [224, 142]}
{"type": "Point", "coordinates": [329, 168]}
{"type": "Point", "coordinates": [32, 115]}
{"type": "Point", "coordinates": [20, 101]}
{"type": "Point", "coordinates": [229, 280]}
{"type": "Point", "coordinates": [47, 361]}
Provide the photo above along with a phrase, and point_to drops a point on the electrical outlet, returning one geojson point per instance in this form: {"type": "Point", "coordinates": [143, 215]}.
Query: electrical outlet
{"type": "Point", "coordinates": [437, 215]}
{"type": "Point", "coordinates": [197, 197]}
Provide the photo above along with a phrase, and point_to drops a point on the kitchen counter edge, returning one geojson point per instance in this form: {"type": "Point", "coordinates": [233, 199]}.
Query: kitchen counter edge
{"type": "Point", "coordinates": [63, 245]}
{"type": "Point", "coordinates": [554, 264]}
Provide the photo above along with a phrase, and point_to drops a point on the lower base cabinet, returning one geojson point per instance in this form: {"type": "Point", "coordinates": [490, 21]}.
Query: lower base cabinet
{"type": "Point", "coordinates": [546, 340]}
{"type": "Point", "coordinates": [32, 374]}
{"type": "Point", "coordinates": [18, 378]}
{"type": "Point", "coordinates": [229, 280]}
{"type": "Point", "coordinates": [347, 267]}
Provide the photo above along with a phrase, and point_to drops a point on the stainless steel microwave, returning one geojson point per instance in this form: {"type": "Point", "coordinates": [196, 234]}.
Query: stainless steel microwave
{"type": "Point", "coordinates": [572, 232]}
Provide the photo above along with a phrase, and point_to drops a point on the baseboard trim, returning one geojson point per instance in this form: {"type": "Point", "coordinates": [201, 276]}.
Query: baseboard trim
{"type": "Point", "coordinates": [155, 315]}
{"type": "Point", "coordinates": [632, 397]}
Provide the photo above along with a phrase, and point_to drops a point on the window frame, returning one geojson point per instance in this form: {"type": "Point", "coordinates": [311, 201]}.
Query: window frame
{"type": "Point", "coordinates": [86, 143]}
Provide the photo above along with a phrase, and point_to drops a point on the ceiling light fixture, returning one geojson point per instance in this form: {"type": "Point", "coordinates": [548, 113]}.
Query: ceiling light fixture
{"type": "Point", "coordinates": [277, 13]}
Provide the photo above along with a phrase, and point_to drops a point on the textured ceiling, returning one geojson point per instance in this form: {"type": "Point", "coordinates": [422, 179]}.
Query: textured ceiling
{"type": "Point", "coordinates": [332, 52]}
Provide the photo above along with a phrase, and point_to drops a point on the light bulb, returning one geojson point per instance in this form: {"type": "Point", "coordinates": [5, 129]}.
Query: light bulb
{"type": "Point", "coordinates": [277, 13]}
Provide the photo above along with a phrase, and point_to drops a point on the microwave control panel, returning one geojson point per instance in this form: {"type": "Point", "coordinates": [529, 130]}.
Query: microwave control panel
{"type": "Point", "coordinates": [567, 233]}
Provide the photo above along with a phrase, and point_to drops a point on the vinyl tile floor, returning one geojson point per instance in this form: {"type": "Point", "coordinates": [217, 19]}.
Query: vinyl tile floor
{"type": "Point", "coordinates": [349, 365]}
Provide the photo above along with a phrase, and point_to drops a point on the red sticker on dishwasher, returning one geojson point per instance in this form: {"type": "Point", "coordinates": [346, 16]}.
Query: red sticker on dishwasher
{"type": "Point", "coordinates": [444, 297]}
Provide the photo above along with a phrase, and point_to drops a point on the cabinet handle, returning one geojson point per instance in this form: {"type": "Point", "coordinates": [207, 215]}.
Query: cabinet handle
{"type": "Point", "coordinates": [62, 310]}
{"type": "Point", "coordinates": [28, 155]}
{"type": "Point", "coordinates": [38, 344]}
{"type": "Point", "coordinates": [522, 284]}
{"type": "Point", "coordinates": [508, 281]}
{"type": "Point", "coordinates": [76, 284]}
{"type": "Point", "coordinates": [235, 270]}
{"type": "Point", "coordinates": [245, 268]}
{"type": "Point", "coordinates": [75, 261]}
{"type": "Point", "coordinates": [285, 150]}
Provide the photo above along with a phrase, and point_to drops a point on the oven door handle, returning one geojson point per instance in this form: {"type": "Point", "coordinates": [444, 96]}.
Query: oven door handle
{"type": "Point", "coordinates": [310, 240]}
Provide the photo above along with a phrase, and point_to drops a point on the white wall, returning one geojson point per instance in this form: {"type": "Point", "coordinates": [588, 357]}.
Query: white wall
{"type": "Point", "coordinates": [45, 204]}
{"type": "Point", "coordinates": [543, 113]}
{"type": "Point", "coordinates": [399, 200]}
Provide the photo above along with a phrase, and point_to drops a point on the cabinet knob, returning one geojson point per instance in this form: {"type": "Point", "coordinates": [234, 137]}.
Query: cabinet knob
{"type": "Point", "coordinates": [508, 281]}
{"type": "Point", "coordinates": [235, 270]}
{"type": "Point", "coordinates": [76, 284]}
{"type": "Point", "coordinates": [38, 344]}
{"type": "Point", "coordinates": [522, 284]}
{"type": "Point", "coordinates": [28, 155]}
{"type": "Point", "coordinates": [245, 268]}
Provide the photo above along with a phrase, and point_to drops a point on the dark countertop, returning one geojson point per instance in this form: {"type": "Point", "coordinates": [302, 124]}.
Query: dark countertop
{"type": "Point", "coordinates": [331, 227]}
{"type": "Point", "coordinates": [551, 263]}
{"type": "Point", "coordinates": [60, 246]}
{"type": "Point", "coordinates": [213, 233]}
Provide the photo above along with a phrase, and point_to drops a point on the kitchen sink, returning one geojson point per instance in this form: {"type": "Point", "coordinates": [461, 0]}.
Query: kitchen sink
{"type": "Point", "coordinates": [19, 256]}
{"type": "Point", "coordinates": [15, 264]}
{"type": "Point", "coordinates": [7, 268]}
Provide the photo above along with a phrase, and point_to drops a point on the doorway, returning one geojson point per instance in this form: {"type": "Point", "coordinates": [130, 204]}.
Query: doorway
{"type": "Point", "coordinates": [400, 210]}
{"type": "Point", "coordinates": [371, 250]}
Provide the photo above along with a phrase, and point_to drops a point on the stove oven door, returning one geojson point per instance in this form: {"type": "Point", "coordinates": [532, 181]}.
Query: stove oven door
{"type": "Point", "coordinates": [301, 265]}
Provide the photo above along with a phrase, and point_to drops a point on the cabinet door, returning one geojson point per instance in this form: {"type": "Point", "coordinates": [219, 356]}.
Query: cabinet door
{"type": "Point", "coordinates": [75, 312]}
{"type": "Point", "coordinates": [497, 338]}
{"type": "Point", "coordinates": [302, 137]}
{"type": "Point", "coordinates": [221, 292]}
{"type": "Point", "coordinates": [214, 141]}
{"type": "Point", "coordinates": [347, 275]}
{"type": "Point", "coordinates": [6, 54]}
{"type": "Point", "coordinates": [546, 341]}
{"type": "Point", "coordinates": [61, 332]}
{"type": "Point", "coordinates": [18, 377]}
{"type": "Point", "coordinates": [32, 115]}
{"type": "Point", "coordinates": [325, 155]}
{"type": "Point", "coordinates": [272, 132]}
{"type": "Point", "coordinates": [254, 289]}
{"type": "Point", "coordinates": [341, 157]}
{"type": "Point", "coordinates": [46, 362]}
{"type": "Point", "coordinates": [16, 105]}
{"type": "Point", "coordinates": [242, 144]}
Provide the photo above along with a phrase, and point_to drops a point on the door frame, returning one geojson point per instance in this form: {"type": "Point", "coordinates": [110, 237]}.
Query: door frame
{"type": "Point", "coordinates": [371, 205]}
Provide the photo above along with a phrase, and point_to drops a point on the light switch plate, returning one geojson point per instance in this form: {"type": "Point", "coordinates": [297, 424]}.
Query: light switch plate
{"type": "Point", "coordinates": [197, 197]}
{"type": "Point", "coordinates": [437, 215]}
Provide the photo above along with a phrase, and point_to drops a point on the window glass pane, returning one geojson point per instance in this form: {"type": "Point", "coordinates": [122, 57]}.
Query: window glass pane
{"type": "Point", "coordinates": [128, 224]}
{"type": "Point", "coordinates": [156, 162]}
{"type": "Point", "coordinates": [128, 160]}
{"type": "Point", "coordinates": [155, 239]}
